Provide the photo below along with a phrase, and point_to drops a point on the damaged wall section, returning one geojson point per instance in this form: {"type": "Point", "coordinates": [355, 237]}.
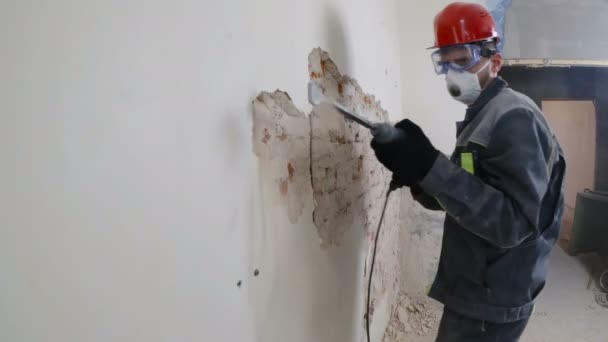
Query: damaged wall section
{"type": "Point", "coordinates": [349, 184]}
{"type": "Point", "coordinates": [304, 291]}
{"type": "Point", "coordinates": [281, 140]}
{"type": "Point", "coordinates": [330, 158]}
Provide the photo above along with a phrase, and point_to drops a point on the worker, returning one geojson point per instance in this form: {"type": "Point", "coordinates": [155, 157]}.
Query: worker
{"type": "Point", "coordinates": [502, 189]}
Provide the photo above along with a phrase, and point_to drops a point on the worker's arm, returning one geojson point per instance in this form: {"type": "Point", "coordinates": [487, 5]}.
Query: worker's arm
{"type": "Point", "coordinates": [504, 210]}
{"type": "Point", "coordinates": [426, 200]}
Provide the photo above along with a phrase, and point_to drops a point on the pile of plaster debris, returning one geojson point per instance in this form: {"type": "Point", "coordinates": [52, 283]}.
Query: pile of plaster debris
{"type": "Point", "coordinates": [413, 318]}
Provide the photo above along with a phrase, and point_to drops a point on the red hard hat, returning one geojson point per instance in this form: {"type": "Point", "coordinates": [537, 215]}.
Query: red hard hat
{"type": "Point", "coordinates": [462, 23]}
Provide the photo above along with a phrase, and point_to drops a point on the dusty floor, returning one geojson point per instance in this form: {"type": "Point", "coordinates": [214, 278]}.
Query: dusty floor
{"type": "Point", "coordinates": [566, 310]}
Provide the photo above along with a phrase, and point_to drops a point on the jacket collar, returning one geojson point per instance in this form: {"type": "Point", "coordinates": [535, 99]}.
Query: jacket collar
{"type": "Point", "coordinates": [495, 87]}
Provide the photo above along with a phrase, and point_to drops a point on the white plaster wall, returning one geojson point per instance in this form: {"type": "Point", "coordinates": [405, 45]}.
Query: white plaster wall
{"type": "Point", "coordinates": [130, 203]}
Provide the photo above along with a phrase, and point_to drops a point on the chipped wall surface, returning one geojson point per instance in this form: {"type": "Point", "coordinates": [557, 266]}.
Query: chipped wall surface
{"type": "Point", "coordinates": [281, 140]}
{"type": "Point", "coordinates": [325, 156]}
{"type": "Point", "coordinates": [324, 159]}
{"type": "Point", "coordinates": [348, 182]}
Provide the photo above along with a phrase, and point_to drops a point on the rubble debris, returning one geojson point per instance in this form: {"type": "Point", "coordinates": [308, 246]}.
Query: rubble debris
{"type": "Point", "coordinates": [413, 317]}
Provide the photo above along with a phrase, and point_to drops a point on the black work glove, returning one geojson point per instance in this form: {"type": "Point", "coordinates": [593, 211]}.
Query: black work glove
{"type": "Point", "coordinates": [416, 190]}
{"type": "Point", "coordinates": [409, 156]}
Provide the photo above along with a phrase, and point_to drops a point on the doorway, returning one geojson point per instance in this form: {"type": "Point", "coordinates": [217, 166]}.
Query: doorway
{"type": "Point", "coordinates": [574, 124]}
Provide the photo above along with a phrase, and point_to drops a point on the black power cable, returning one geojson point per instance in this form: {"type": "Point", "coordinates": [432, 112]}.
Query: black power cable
{"type": "Point", "coordinates": [371, 269]}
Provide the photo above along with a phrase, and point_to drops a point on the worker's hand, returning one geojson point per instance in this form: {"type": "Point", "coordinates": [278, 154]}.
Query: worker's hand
{"type": "Point", "coordinates": [410, 156]}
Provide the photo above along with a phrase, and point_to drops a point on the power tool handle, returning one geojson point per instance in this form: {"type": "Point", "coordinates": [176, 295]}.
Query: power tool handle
{"type": "Point", "coordinates": [385, 133]}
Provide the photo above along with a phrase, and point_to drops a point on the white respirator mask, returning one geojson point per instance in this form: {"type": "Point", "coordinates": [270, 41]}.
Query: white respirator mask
{"type": "Point", "coordinates": [464, 86]}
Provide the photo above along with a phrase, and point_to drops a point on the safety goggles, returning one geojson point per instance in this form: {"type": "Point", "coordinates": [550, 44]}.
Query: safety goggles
{"type": "Point", "coordinates": [458, 57]}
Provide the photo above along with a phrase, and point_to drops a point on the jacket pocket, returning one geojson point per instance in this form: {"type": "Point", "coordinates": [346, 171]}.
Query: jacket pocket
{"type": "Point", "coordinates": [464, 253]}
{"type": "Point", "coordinates": [518, 275]}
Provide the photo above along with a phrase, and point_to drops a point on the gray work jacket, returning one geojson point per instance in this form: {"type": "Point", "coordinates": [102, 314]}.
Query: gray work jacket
{"type": "Point", "coordinates": [502, 191]}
